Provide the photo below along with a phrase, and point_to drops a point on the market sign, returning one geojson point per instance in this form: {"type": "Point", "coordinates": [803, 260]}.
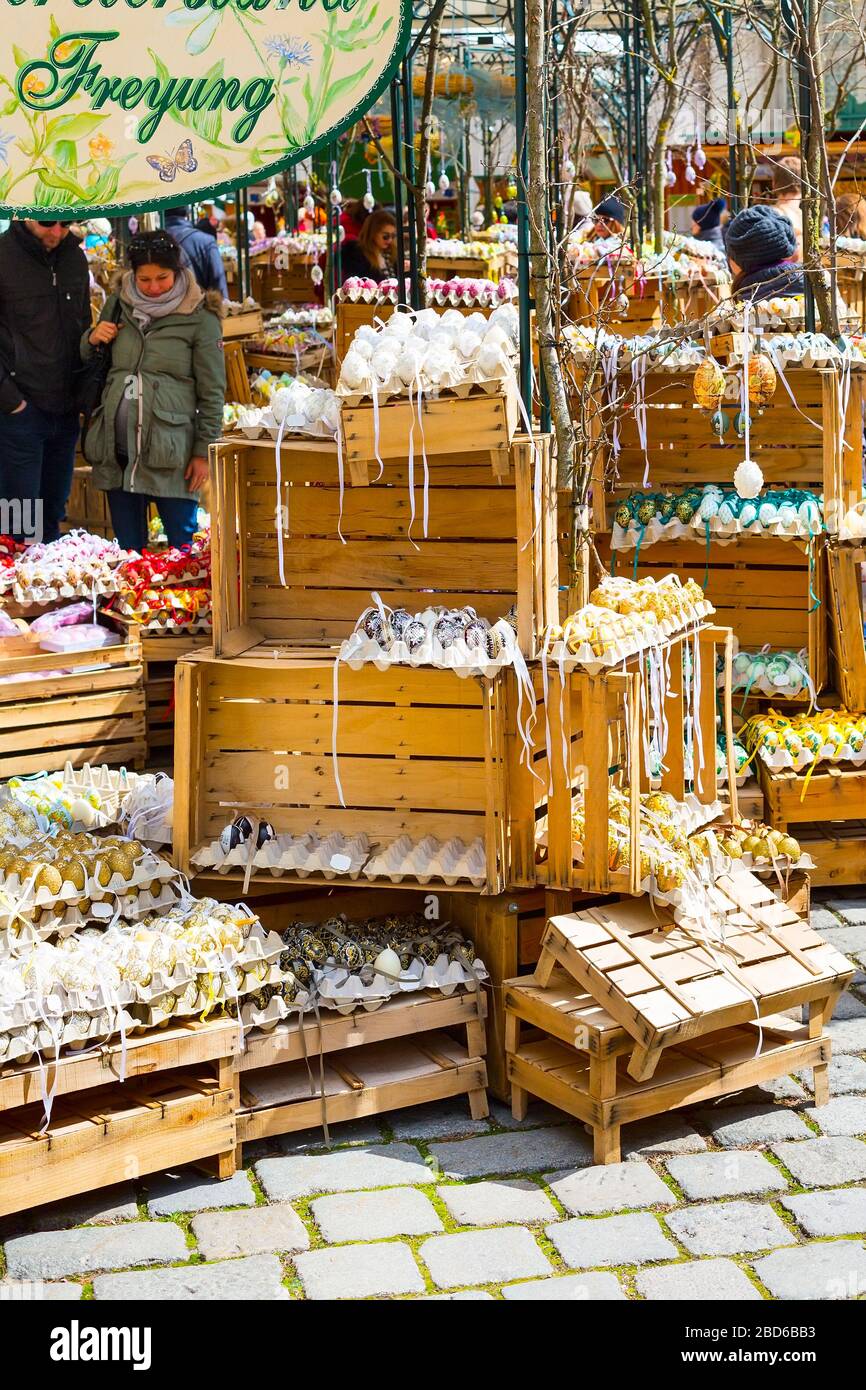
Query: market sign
{"type": "Point", "coordinates": [110, 105]}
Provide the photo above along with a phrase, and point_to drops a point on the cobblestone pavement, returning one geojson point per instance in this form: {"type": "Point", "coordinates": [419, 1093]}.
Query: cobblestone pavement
{"type": "Point", "coordinates": [758, 1196]}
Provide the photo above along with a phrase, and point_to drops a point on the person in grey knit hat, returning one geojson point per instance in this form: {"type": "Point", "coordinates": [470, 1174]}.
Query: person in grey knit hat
{"type": "Point", "coordinates": [760, 243]}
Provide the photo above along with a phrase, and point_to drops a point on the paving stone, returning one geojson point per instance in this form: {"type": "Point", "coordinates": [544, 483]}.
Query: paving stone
{"type": "Point", "coordinates": [538, 1112]}
{"type": "Point", "coordinates": [728, 1228]}
{"type": "Point", "coordinates": [660, 1134]}
{"type": "Point", "coordinates": [849, 1006]}
{"type": "Point", "coordinates": [397, 1211]}
{"type": "Point", "coordinates": [256, 1279]}
{"type": "Point", "coordinates": [731, 1174]}
{"type": "Point", "coordinates": [497, 1203]}
{"type": "Point", "coordinates": [831, 1269]}
{"type": "Point", "coordinates": [847, 939]}
{"type": "Point", "coordinates": [780, 1088]}
{"type": "Point", "coordinates": [380, 1165]}
{"type": "Point", "coordinates": [365, 1131]}
{"type": "Point", "coordinates": [523, 1151]}
{"type": "Point", "coordinates": [847, 1035]}
{"type": "Point", "coordinates": [175, 1192]}
{"type": "Point", "coordinates": [255, 1231]}
{"type": "Point", "coordinates": [590, 1288]}
{"type": "Point", "coordinates": [822, 919]}
{"type": "Point", "coordinates": [845, 1115]}
{"type": "Point", "coordinates": [108, 1204]}
{"type": "Point", "coordinates": [699, 1281]}
{"type": "Point", "coordinates": [463, 1295]}
{"type": "Point", "coordinates": [840, 1212]}
{"type": "Point", "coordinates": [847, 1076]}
{"type": "Point", "coordinates": [438, 1120]}
{"type": "Point", "coordinates": [824, 1162]}
{"type": "Point", "coordinates": [736, 1126]}
{"type": "Point", "coordinates": [850, 908]}
{"type": "Point", "coordinates": [612, 1187]}
{"type": "Point", "coordinates": [359, 1271]}
{"type": "Point", "coordinates": [51, 1254]}
{"type": "Point", "coordinates": [36, 1291]}
{"type": "Point", "coordinates": [611, 1240]}
{"type": "Point", "coordinates": [483, 1257]}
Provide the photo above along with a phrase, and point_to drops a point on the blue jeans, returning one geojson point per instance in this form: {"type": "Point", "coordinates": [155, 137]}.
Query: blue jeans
{"type": "Point", "coordinates": [129, 517]}
{"type": "Point", "coordinates": [37, 456]}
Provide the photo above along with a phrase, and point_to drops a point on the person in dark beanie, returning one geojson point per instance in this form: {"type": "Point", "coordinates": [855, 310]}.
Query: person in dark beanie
{"type": "Point", "coordinates": [44, 309]}
{"type": "Point", "coordinates": [761, 243]}
{"type": "Point", "coordinates": [707, 222]}
{"type": "Point", "coordinates": [610, 217]}
{"type": "Point", "coordinates": [200, 251]}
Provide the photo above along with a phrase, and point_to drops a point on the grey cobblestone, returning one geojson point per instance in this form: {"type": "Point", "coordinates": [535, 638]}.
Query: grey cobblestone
{"type": "Point", "coordinates": [396, 1211]}
{"type": "Point", "coordinates": [483, 1257]}
{"type": "Point", "coordinates": [728, 1228]}
{"type": "Point", "coordinates": [192, 1192]}
{"type": "Point", "coordinates": [255, 1231]}
{"type": "Point", "coordinates": [847, 1035]}
{"type": "Point", "coordinates": [704, 1281]}
{"type": "Point", "coordinates": [732, 1174]}
{"type": "Point", "coordinates": [843, 1116]}
{"type": "Point", "coordinates": [381, 1165]}
{"type": "Point", "coordinates": [359, 1271]}
{"type": "Point", "coordinates": [839, 1212]}
{"type": "Point", "coordinates": [832, 1269]}
{"type": "Point", "coordinates": [51, 1254]}
{"type": "Point", "coordinates": [106, 1205]}
{"type": "Point", "coordinates": [585, 1288]}
{"type": "Point", "coordinates": [257, 1279]}
{"type": "Point", "coordinates": [824, 1162]}
{"type": "Point", "coordinates": [611, 1240]}
{"type": "Point", "coordinates": [661, 1134]}
{"type": "Point", "coordinates": [849, 1006]}
{"type": "Point", "coordinates": [614, 1187]}
{"type": "Point", "coordinates": [741, 1126]}
{"type": "Point", "coordinates": [497, 1203]}
{"type": "Point", "coordinates": [523, 1151]}
{"type": "Point", "coordinates": [438, 1120]}
{"type": "Point", "coordinates": [39, 1292]}
{"type": "Point", "coordinates": [847, 1076]}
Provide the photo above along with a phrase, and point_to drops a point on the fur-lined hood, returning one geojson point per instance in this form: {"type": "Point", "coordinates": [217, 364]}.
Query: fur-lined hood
{"type": "Point", "coordinates": [194, 297]}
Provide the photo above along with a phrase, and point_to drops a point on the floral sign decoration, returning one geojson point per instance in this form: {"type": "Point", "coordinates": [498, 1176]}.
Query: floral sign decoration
{"type": "Point", "coordinates": [109, 105]}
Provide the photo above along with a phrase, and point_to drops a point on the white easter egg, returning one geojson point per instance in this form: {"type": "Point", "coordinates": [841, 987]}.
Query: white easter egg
{"type": "Point", "coordinates": [468, 343]}
{"type": "Point", "coordinates": [355, 371]}
{"type": "Point", "coordinates": [366, 333]}
{"type": "Point", "coordinates": [400, 326]}
{"type": "Point", "coordinates": [387, 963]}
{"type": "Point", "coordinates": [748, 478]}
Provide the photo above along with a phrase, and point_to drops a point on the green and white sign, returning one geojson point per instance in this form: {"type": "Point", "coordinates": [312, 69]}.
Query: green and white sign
{"type": "Point", "coordinates": [113, 105]}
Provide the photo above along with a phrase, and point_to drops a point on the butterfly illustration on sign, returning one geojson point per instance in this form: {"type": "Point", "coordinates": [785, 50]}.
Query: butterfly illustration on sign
{"type": "Point", "coordinates": [167, 165]}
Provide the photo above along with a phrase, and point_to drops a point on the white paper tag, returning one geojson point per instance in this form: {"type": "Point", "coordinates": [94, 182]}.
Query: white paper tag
{"type": "Point", "coordinates": [102, 910]}
{"type": "Point", "coordinates": [341, 862]}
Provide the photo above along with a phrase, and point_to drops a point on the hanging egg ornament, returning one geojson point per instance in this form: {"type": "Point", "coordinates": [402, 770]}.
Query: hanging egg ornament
{"type": "Point", "coordinates": [369, 201]}
{"type": "Point", "coordinates": [235, 834]}
{"type": "Point", "coordinates": [429, 189]}
{"type": "Point", "coordinates": [272, 195]}
{"type": "Point", "coordinates": [748, 479]}
{"type": "Point", "coordinates": [740, 422]}
{"type": "Point", "coordinates": [569, 168]}
{"type": "Point", "coordinates": [708, 384]}
{"type": "Point", "coordinates": [444, 183]}
{"type": "Point", "coordinates": [512, 190]}
{"type": "Point", "coordinates": [309, 204]}
{"type": "Point", "coordinates": [761, 380]}
{"type": "Point", "coordinates": [317, 275]}
{"type": "Point", "coordinates": [720, 423]}
{"type": "Point", "coordinates": [336, 198]}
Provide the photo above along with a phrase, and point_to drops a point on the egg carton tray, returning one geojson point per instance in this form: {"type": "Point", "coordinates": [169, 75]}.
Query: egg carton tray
{"type": "Point", "coordinates": [345, 991]}
{"type": "Point", "coordinates": [102, 585]}
{"type": "Point", "coordinates": [567, 658]}
{"type": "Point", "coordinates": [781, 760]}
{"type": "Point", "coordinates": [169, 627]}
{"type": "Point", "coordinates": [430, 860]}
{"type": "Point", "coordinates": [334, 856]}
{"type": "Point", "coordinates": [360, 650]}
{"type": "Point", "coordinates": [723, 532]}
{"type": "Point", "coordinates": [396, 392]}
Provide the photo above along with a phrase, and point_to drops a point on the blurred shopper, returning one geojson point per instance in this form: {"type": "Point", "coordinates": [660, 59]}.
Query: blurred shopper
{"type": "Point", "coordinates": [787, 192]}
{"type": "Point", "coordinates": [851, 216]}
{"type": "Point", "coordinates": [200, 251]}
{"type": "Point", "coordinates": [707, 222]}
{"type": "Point", "coordinates": [761, 246]}
{"type": "Point", "coordinates": [371, 254]}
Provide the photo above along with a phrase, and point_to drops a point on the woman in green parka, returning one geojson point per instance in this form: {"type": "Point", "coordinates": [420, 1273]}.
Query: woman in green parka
{"type": "Point", "coordinates": [163, 400]}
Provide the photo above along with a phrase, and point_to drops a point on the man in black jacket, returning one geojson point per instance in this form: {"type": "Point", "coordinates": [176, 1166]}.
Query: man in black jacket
{"type": "Point", "coordinates": [44, 309]}
{"type": "Point", "coordinates": [200, 250]}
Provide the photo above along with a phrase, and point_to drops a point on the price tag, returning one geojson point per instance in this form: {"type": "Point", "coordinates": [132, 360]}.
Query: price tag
{"type": "Point", "coordinates": [341, 862]}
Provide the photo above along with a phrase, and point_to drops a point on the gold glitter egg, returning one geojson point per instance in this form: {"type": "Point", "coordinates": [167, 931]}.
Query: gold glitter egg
{"type": "Point", "coordinates": [708, 384]}
{"type": "Point", "coordinates": [762, 380]}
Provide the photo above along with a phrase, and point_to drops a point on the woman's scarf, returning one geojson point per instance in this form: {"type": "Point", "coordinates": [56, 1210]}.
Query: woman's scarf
{"type": "Point", "coordinates": [144, 308]}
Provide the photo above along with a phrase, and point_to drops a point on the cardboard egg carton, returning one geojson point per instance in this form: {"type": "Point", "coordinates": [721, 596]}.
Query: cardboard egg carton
{"type": "Point", "coordinates": [430, 860]}
{"type": "Point", "coordinates": [334, 856]}
{"type": "Point", "coordinates": [344, 991]}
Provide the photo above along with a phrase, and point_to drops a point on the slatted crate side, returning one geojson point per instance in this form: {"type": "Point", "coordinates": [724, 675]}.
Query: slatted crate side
{"type": "Point", "coordinates": [467, 267]}
{"type": "Point", "coordinates": [87, 505]}
{"type": "Point", "coordinates": [483, 422]}
{"type": "Point", "coordinates": [481, 549]}
{"type": "Point", "coordinates": [761, 587]}
{"type": "Point", "coordinates": [846, 567]}
{"type": "Point", "coordinates": [833, 794]}
{"type": "Point", "coordinates": [40, 736]}
{"type": "Point", "coordinates": [838, 849]}
{"type": "Point", "coordinates": [419, 752]}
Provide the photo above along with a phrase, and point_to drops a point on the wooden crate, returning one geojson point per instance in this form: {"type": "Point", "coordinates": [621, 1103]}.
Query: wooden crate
{"type": "Point", "coordinates": [667, 987]}
{"type": "Point", "coordinates": [578, 1064]}
{"type": "Point", "coordinates": [838, 849]}
{"type": "Point", "coordinates": [371, 1063]}
{"type": "Point", "coordinates": [95, 713]}
{"type": "Point", "coordinates": [598, 720]}
{"type": "Point", "coordinates": [350, 316]}
{"type": "Point", "coordinates": [466, 267]}
{"type": "Point", "coordinates": [845, 567]}
{"type": "Point", "coordinates": [160, 654]}
{"type": "Point", "coordinates": [682, 450]}
{"type": "Point", "coordinates": [176, 1105]}
{"type": "Point", "coordinates": [247, 324]}
{"type": "Point", "coordinates": [482, 547]}
{"type": "Point", "coordinates": [765, 589]}
{"type": "Point", "coordinates": [834, 793]}
{"type": "Point", "coordinates": [284, 284]}
{"type": "Point", "coordinates": [87, 507]}
{"type": "Point", "coordinates": [420, 752]}
{"type": "Point", "coordinates": [479, 422]}
{"type": "Point", "coordinates": [237, 379]}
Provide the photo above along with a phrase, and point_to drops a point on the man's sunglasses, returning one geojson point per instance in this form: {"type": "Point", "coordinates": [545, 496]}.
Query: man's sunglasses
{"type": "Point", "coordinates": [52, 222]}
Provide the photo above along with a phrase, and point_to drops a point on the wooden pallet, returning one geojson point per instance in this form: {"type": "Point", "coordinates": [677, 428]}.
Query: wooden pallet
{"type": "Point", "coordinates": [482, 547]}
{"type": "Point", "coordinates": [845, 567]}
{"type": "Point", "coordinates": [666, 987]}
{"type": "Point", "coordinates": [95, 713]}
{"type": "Point", "coordinates": [834, 793]}
{"type": "Point", "coordinates": [763, 588]}
{"type": "Point", "coordinates": [363, 1064]}
{"type": "Point", "coordinates": [579, 1062]}
{"type": "Point", "coordinates": [176, 1105]}
{"type": "Point", "coordinates": [599, 722]}
{"type": "Point", "coordinates": [420, 752]}
{"type": "Point", "coordinates": [484, 422]}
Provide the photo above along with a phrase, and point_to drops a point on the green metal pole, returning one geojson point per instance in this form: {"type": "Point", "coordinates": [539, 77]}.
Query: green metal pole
{"type": "Point", "coordinates": [409, 156]}
{"type": "Point", "coordinates": [523, 277]}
